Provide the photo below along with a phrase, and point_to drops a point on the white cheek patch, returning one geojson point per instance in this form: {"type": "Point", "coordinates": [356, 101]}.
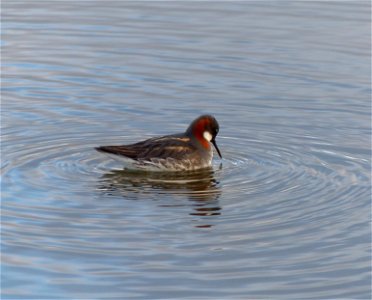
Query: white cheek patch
{"type": "Point", "coordinates": [207, 136]}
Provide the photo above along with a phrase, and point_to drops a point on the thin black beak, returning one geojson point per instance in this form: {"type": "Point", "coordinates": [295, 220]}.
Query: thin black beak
{"type": "Point", "coordinates": [215, 146]}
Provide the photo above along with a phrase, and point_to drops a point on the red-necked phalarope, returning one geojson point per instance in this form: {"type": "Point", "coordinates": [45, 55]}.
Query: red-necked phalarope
{"type": "Point", "coordinates": [190, 150]}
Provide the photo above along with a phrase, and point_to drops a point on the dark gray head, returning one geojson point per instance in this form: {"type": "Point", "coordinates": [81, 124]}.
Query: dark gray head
{"type": "Point", "coordinates": [205, 129]}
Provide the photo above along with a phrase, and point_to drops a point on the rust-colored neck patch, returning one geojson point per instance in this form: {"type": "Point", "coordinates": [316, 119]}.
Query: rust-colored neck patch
{"type": "Point", "coordinates": [198, 130]}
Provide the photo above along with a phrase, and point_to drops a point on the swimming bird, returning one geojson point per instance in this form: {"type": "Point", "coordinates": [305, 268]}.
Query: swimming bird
{"type": "Point", "coordinates": [190, 150]}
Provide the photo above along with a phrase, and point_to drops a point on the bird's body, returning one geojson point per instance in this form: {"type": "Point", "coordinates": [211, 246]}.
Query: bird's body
{"type": "Point", "coordinates": [185, 151]}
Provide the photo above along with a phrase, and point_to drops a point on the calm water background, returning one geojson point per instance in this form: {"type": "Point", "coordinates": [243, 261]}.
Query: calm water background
{"type": "Point", "coordinates": [286, 214]}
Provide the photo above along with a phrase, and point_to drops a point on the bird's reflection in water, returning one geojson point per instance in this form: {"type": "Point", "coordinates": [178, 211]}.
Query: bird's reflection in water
{"type": "Point", "coordinates": [200, 187]}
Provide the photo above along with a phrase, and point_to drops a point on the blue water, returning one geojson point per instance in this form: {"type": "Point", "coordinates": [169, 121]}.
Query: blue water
{"type": "Point", "coordinates": [284, 215]}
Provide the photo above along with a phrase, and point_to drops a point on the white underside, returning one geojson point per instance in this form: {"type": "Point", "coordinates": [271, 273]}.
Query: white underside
{"type": "Point", "coordinates": [161, 165]}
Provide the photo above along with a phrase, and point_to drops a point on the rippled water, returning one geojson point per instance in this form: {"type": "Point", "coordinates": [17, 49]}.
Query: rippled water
{"type": "Point", "coordinates": [285, 215]}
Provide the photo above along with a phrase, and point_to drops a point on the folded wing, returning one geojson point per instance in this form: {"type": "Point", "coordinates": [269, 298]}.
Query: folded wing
{"type": "Point", "coordinates": [161, 148]}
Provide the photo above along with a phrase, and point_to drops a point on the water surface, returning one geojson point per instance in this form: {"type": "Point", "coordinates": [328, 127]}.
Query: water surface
{"type": "Point", "coordinates": [285, 215]}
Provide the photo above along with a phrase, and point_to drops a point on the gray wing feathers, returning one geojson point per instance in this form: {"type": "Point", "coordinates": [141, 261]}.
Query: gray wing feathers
{"type": "Point", "coordinates": [155, 148]}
